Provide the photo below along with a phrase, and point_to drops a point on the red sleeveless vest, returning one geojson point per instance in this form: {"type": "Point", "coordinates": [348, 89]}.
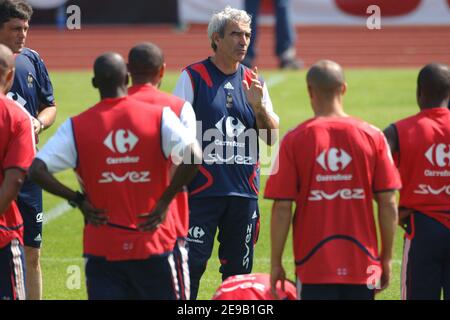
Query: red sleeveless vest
{"type": "Point", "coordinates": [150, 94]}
{"type": "Point", "coordinates": [122, 169]}
{"type": "Point", "coordinates": [424, 163]}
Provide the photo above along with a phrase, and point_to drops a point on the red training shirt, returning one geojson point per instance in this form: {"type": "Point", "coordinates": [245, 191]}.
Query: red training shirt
{"type": "Point", "coordinates": [330, 167]}
{"type": "Point", "coordinates": [424, 163]}
{"type": "Point", "coordinates": [17, 150]}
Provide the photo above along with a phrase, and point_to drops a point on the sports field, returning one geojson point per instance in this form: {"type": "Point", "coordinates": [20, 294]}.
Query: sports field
{"type": "Point", "coordinates": [379, 96]}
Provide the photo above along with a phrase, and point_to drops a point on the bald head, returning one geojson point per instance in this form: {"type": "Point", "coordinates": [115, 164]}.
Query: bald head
{"type": "Point", "coordinates": [110, 71]}
{"type": "Point", "coordinates": [433, 85]}
{"type": "Point", "coordinates": [6, 68]}
{"type": "Point", "coordinates": [145, 60]}
{"type": "Point", "coordinates": [326, 77]}
{"type": "Point", "coordinates": [6, 57]}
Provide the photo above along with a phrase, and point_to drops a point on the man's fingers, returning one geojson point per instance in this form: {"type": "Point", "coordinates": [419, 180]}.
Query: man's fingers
{"type": "Point", "coordinates": [95, 216]}
{"type": "Point", "coordinates": [273, 288]}
{"type": "Point", "coordinates": [148, 226]}
{"type": "Point", "coordinates": [256, 82]}
{"type": "Point", "coordinates": [274, 293]}
{"type": "Point", "coordinates": [255, 71]}
{"type": "Point", "coordinates": [245, 84]}
{"type": "Point", "coordinates": [97, 220]}
{"type": "Point", "coordinates": [152, 222]}
{"type": "Point", "coordinates": [100, 211]}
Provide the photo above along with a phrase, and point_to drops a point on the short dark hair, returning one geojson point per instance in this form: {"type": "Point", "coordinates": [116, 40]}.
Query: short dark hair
{"type": "Point", "coordinates": [434, 83]}
{"type": "Point", "coordinates": [145, 59]}
{"type": "Point", "coordinates": [10, 9]}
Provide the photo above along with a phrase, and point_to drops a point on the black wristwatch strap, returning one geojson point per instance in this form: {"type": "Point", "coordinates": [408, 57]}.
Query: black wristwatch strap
{"type": "Point", "coordinates": [78, 200]}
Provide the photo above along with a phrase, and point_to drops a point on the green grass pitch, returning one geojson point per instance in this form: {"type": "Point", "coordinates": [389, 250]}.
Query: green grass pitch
{"type": "Point", "coordinates": [379, 96]}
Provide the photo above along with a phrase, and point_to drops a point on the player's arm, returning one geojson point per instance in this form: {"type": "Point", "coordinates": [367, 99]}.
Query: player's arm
{"type": "Point", "coordinates": [188, 118]}
{"type": "Point", "coordinates": [44, 119]}
{"type": "Point", "coordinates": [13, 180]}
{"type": "Point", "coordinates": [183, 88]}
{"type": "Point", "coordinates": [388, 219]}
{"type": "Point", "coordinates": [17, 158]}
{"type": "Point", "coordinates": [47, 108]}
{"type": "Point", "coordinates": [59, 154]}
{"type": "Point", "coordinates": [279, 229]}
{"type": "Point", "coordinates": [391, 135]}
{"type": "Point", "coordinates": [40, 175]}
{"type": "Point", "coordinates": [258, 98]}
{"type": "Point", "coordinates": [392, 138]}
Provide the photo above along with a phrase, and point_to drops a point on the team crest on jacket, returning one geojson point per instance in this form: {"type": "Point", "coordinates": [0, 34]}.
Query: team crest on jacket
{"type": "Point", "coordinates": [229, 100]}
{"type": "Point", "coordinates": [30, 80]}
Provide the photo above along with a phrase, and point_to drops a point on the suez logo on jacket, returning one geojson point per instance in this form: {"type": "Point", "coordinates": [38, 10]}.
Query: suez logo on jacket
{"type": "Point", "coordinates": [334, 160]}
{"type": "Point", "coordinates": [439, 156]}
{"type": "Point", "coordinates": [122, 141]}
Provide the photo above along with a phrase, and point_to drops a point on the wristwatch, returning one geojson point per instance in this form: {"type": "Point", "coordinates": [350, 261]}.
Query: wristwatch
{"type": "Point", "coordinates": [78, 200]}
{"type": "Point", "coordinates": [42, 125]}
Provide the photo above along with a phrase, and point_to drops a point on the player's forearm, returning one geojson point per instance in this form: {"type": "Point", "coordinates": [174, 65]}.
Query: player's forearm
{"type": "Point", "coordinates": [184, 173]}
{"type": "Point", "coordinates": [47, 116]}
{"type": "Point", "coordinates": [392, 138]}
{"type": "Point", "coordinates": [267, 126]}
{"type": "Point", "coordinates": [388, 220]}
{"type": "Point", "coordinates": [40, 175]}
{"type": "Point", "coordinates": [10, 187]}
{"type": "Point", "coordinates": [279, 229]}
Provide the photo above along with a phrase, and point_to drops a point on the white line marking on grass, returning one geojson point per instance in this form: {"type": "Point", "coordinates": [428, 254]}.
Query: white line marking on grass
{"type": "Point", "coordinates": [69, 260]}
{"type": "Point", "coordinates": [56, 212]}
{"type": "Point", "coordinates": [274, 80]}
{"type": "Point", "coordinates": [286, 261]}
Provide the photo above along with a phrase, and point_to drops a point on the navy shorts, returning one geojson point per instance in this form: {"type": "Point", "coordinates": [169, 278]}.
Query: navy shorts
{"type": "Point", "coordinates": [12, 272]}
{"type": "Point", "coordinates": [29, 202]}
{"type": "Point", "coordinates": [426, 259]}
{"type": "Point", "coordinates": [336, 292]}
{"type": "Point", "coordinates": [154, 278]}
{"type": "Point", "coordinates": [237, 219]}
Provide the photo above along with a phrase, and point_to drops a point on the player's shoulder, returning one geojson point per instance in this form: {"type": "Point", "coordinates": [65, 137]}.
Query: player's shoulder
{"type": "Point", "coordinates": [196, 65]}
{"type": "Point", "coordinates": [367, 128]}
{"type": "Point", "coordinates": [137, 104]}
{"type": "Point", "coordinates": [307, 125]}
{"type": "Point", "coordinates": [171, 99]}
{"type": "Point", "coordinates": [296, 133]}
{"type": "Point", "coordinates": [407, 121]}
{"type": "Point", "coordinates": [13, 110]}
{"type": "Point", "coordinates": [343, 123]}
{"type": "Point", "coordinates": [31, 54]}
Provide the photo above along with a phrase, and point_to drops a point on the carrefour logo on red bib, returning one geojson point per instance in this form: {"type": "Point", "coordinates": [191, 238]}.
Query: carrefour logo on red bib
{"type": "Point", "coordinates": [334, 159]}
{"type": "Point", "coordinates": [121, 141]}
{"type": "Point", "coordinates": [439, 155]}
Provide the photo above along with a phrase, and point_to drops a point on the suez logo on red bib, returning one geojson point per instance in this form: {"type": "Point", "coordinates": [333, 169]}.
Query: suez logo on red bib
{"type": "Point", "coordinates": [439, 156]}
{"type": "Point", "coordinates": [122, 141]}
{"type": "Point", "coordinates": [334, 160]}
{"type": "Point", "coordinates": [344, 194]}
